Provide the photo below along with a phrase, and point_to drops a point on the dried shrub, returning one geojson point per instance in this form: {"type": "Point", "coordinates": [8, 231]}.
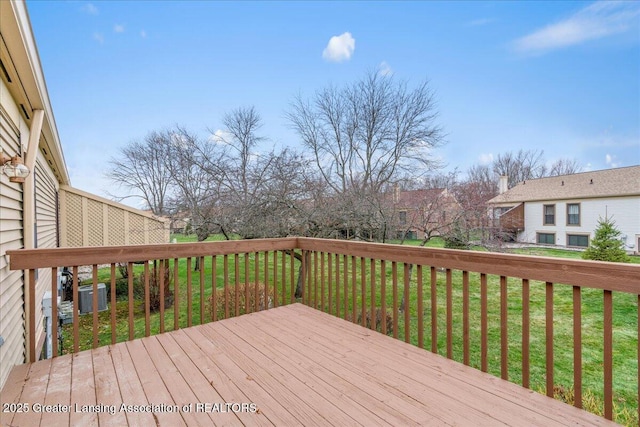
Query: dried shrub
{"type": "Point", "coordinates": [381, 317]}
{"type": "Point", "coordinates": [154, 288]}
{"type": "Point", "coordinates": [253, 289]}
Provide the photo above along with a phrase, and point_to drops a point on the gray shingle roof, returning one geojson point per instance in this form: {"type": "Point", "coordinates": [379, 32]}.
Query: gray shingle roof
{"type": "Point", "coordinates": [585, 185]}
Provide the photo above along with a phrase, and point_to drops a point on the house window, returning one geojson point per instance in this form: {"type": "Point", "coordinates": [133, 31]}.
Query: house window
{"type": "Point", "coordinates": [549, 214]}
{"type": "Point", "coordinates": [573, 214]}
{"type": "Point", "coordinates": [580, 240]}
{"type": "Point", "coordinates": [546, 238]}
{"type": "Point", "coordinates": [402, 217]}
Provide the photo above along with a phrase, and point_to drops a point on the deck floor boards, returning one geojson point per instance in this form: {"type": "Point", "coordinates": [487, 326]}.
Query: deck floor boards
{"type": "Point", "coordinates": [299, 366]}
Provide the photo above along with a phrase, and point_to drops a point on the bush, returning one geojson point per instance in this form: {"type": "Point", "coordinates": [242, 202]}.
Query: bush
{"type": "Point", "coordinates": [381, 317]}
{"type": "Point", "coordinates": [154, 288]}
{"type": "Point", "coordinates": [251, 288]}
{"type": "Point", "coordinates": [606, 244]}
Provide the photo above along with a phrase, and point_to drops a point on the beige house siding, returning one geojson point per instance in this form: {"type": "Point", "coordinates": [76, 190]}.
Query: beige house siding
{"type": "Point", "coordinates": [12, 324]}
{"type": "Point", "coordinates": [89, 220]}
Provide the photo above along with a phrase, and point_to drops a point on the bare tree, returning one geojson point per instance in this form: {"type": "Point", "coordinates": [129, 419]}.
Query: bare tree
{"type": "Point", "coordinates": [363, 137]}
{"type": "Point", "coordinates": [141, 167]}
{"type": "Point", "coordinates": [564, 167]}
{"type": "Point", "coordinates": [520, 166]}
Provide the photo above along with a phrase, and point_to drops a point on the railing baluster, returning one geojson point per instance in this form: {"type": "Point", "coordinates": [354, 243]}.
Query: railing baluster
{"type": "Point", "coordinates": [113, 305]}
{"type": "Point", "coordinates": [214, 288]}
{"type": "Point", "coordinates": [337, 261]}
{"type": "Point", "coordinates": [577, 347]}
{"type": "Point", "coordinates": [161, 270]}
{"type": "Point", "coordinates": [202, 296]}
{"type": "Point", "coordinates": [504, 343]}
{"type": "Point", "coordinates": [176, 296]}
{"type": "Point", "coordinates": [394, 281]}
{"type": "Point", "coordinates": [32, 315]}
{"type": "Point", "coordinates": [465, 317]}
{"type": "Point", "coordinates": [420, 307]}
{"type": "Point", "coordinates": [292, 264]}
{"type": "Point", "coordinates": [549, 337]}
{"type": "Point", "coordinates": [147, 312]}
{"type": "Point", "coordinates": [484, 333]}
{"type": "Point", "coordinates": [434, 310]}
{"type": "Point", "coordinates": [266, 280]}
{"type": "Point", "coordinates": [256, 280]}
{"type": "Point", "coordinates": [130, 302]}
{"type": "Point", "coordinates": [363, 292]}
{"type": "Point", "coordinates": [54, 310]}
{"type": "Point", "coordinates": [372, 305]}
{"type": "Point", "coordinates": [95, 305]}
{"type": "Point", "coordinates": [236, 284]}
{"type": "Point", "coordinates": [330, 282]}
{"type": "Point", "coordinates": [354, 306]}
{"type": "Point", "coordinates": [383, 295]}
{"type": "Point", "coordinates": [407, 320]}
{"type": "Point", "coordinates": [275, 278]}
{"type": "Point", "coordinates": [76, 320]}
{"type": "Point", "coordinates": [315, 279]}
{"type": "Point", "coordinates": [449, 297]}
{"type": "Point", "coordinates": [225, 265]}
{"type": "Point", "coordinates": [322, 284]}
{"type": "Point", "coordinates": [345, 275]}
{"type": "Point", "coordinates": [189, 294]}
{"type": "Point", "coordinates": [247, 304]}
{"type": "Point", "coordinates": [526, 321]}
{"type": "Point", "coordinates": [608, 355]}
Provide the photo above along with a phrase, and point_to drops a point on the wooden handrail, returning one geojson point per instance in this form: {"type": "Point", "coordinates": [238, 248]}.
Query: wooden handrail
{"type": "Point", "coordinates": [585, 273]}
{"type": "Point", "coordinates": [24, 259]}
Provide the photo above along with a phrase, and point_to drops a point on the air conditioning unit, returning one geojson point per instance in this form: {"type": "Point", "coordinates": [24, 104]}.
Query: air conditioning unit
{"type": "Point", "coordinates": [85, 298]}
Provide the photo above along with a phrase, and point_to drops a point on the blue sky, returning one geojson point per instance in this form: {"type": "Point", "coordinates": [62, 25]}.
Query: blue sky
{"type": "Point", "coordinates": [563, 77]}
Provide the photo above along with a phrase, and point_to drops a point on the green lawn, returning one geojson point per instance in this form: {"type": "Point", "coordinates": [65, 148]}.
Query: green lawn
{"type": "Point", "coordinates": [625, 319]}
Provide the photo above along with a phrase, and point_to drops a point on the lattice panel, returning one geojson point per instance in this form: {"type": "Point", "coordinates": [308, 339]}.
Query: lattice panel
{"type": "Point", "coordinates": [95, 220]}
{"type": "Point", "coordinates": [116, 226]}
{"type": "Point", "coordinates": [74, 220]}
{"type": "Point", "coordinates": [136, 229]}
{"type": "Point", "coordinates": [156, 232]}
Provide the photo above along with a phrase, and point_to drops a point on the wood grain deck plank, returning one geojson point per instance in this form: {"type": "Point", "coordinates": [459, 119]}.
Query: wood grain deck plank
{"type": "Point", "coordinates": [202, 390]}
{"type": "Point", "coordinates": [59, 391]}
{"type": "Point", "coordinates": [83, 390]}
{"type": "Point", "coordinates": [315, 409]}
{"type": "Point", "coordinates": [217, 379]}
{"type": "Point", "coordinates": [12, 390]}
{"type": "Point", "coordinates": [107, 389]}
{"type": "Point", "coordinates": [179, 389]}
{"type": "Point", "coordinates": [34, 392]}
{"type": "Point", "coordinates": [154, 388]}
{"type": "Point", "coordinates": [130, 388]}
{"type": "Point", "coordinates": [524, 400]}
{"type": "Point", "coordinates": [359, 368]}
{"type": "Point", "coordinates": [299, 359]}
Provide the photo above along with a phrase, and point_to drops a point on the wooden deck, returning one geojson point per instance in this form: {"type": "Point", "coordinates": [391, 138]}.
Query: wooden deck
{"type": "Point", "coordinates": [297, 365]}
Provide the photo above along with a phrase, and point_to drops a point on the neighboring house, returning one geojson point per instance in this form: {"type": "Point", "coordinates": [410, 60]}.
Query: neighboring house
{"type": "Point", "coordinates": [43, 211]}
{"type": "Point", "coordinates": [422, 213]}
{"type": "Point", "coordinates": [564, 210]}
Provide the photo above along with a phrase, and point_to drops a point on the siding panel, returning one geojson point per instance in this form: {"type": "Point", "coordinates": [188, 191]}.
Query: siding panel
{"type": "Point", "coordinates": [12, 325]}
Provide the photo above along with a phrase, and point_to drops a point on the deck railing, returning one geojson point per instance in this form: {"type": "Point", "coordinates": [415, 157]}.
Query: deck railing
{"type": "Point", "coordinates": [486, 310]}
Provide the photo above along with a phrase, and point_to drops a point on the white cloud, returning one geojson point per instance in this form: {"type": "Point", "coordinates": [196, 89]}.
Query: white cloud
{"type": "Point", "coordinates": [385, 69]}
{"type": "Point", "coordinates": [143, 34]}
{"type": "Point", "coordinates": [90, 9]}
{"type": "Point", "coordinates": [220, 137]}
{"type": "Point", "coordinates": [118, 28]}
{"type": "Point", "coordinates": [485, 159]}
{"type": "Point", "coordinates": [98, 37]}
{"type": "Point", "coordinates": [340, 48]}
{"type": "Point", "coordinates": [611, 161]}
{"type": "Point", "coordinates": [598, 20]}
